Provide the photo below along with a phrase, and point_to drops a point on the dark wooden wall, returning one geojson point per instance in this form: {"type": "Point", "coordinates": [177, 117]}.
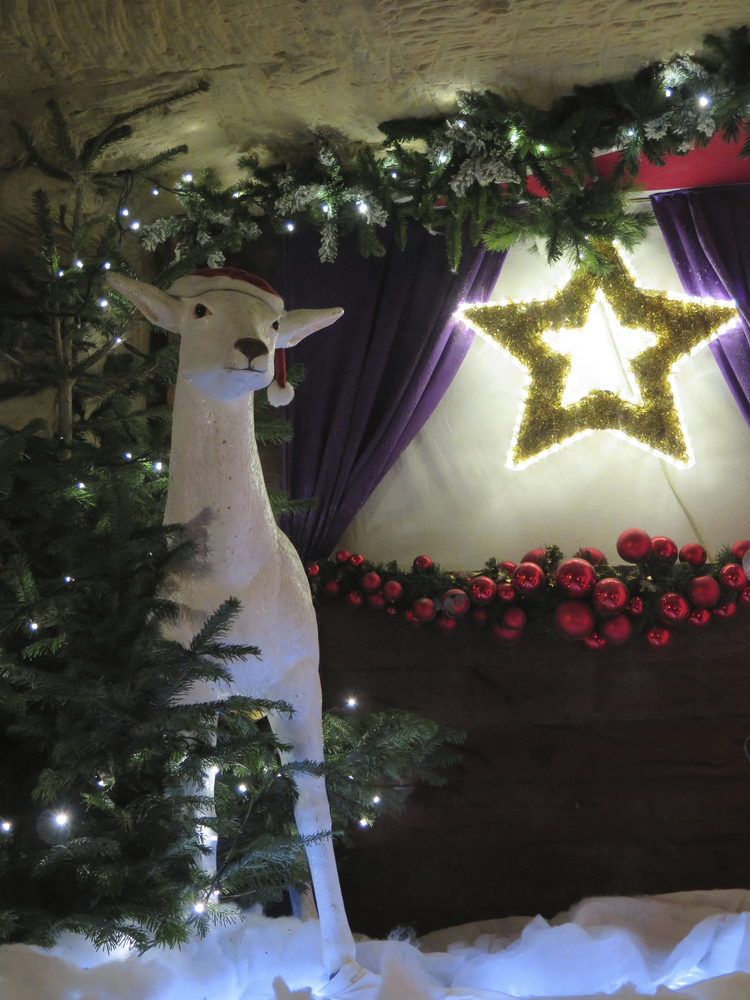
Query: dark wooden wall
{"type": "Point", "coordinates": [619, 772]}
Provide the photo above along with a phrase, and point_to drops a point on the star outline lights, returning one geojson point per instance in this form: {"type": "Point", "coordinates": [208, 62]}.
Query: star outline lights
{"type": "Point", "coordinates": [682, 325]}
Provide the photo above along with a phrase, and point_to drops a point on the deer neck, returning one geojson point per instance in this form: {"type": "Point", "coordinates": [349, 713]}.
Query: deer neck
{"type": "Point", "coordinates": [216, 483]}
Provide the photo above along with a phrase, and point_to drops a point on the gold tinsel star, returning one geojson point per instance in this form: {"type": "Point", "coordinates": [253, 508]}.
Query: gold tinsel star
{"type": "Point", "coordinates": [680, 325]}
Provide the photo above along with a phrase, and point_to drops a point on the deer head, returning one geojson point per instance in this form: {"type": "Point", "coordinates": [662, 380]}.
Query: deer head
{"type": "Point", "coordinates": [230, 324]}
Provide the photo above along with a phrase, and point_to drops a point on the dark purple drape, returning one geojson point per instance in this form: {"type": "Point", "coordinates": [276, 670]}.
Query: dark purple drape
{"type": "Point", "coordinates": [707, 231]}
{"type": "Point", "coordinates": [376, 375]}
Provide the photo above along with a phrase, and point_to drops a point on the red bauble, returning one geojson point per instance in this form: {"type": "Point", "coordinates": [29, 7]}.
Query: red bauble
{"type": "Point", "coordinates": [482, 589]}
{"type": "Point", "coordinates": [514, 618]}
{"type": "Point", "coordinates": [535, 556]}
{"type": "Point", "coordinates": [356, 560]}
{"type": "Point", "coordinates": [424, 609]}
{"type": "Point", "coordinates": [411, 619]}
{"type": "Point", "coordinates": [594, 641]}
{"type": "Point", "coordinates": [506, 636]}
{"type": "Point", "coordinates": [664, 547]}
{"type": "Point", "coordinates": [658, 637]}
{"type": "Point", "coordinates": [634, 545]}
{"type": "Point", "coordinates": [342, 556]}
{"type": "Point", "coordinates": [703, 592]}
{"type": "Point", "coordinates": [392, 590]}
{"type": "Point", "coordinates": [355, 598]}
{"type": "Point", "coordinates": [745, 596]}
{"type": "Point", "coordinates": [423, 563]}
{"type": "Point", "coordinates": [700, 617]}
{"type": "Point", "coordinates": [479, 615]}
{"type": "Point", "coordinates": [594, 556]}
{"type": "Point", "coordinates": [528, 577]}
{"type": "Point", "coordinates": [455, 603]}
{"type": "Point", "coordinates": [740, 548]}
{"type": "Point", "coordinates": [575, 577]}
{"type": "Point", "coordinates": [733, 576]}
{"type": "Point", "coordinates": [609, 596]}
{"type": "Point", "coordinates": [370, 582]}
{"type": "Point", "coordinates": [391, 609]}
{"type": "Point", "coordinates": [507, 567]}
{"type": "Point", "coordinates": [635, 606]}
{"type": "Point", "coordinates": [313, 570]}
{"type": "Point", "coordinates": [331, 588]}
{"type": "Point", "coordinates": [673, 608]}
{"type": "Point", "coordinates": [574, 619]}
{"type": "Point", "coordinates": [506, 592]}
{"type": "Point", "coordinates": [447, 625]}
{"type": "Point", "coordinates": [694, 554]}
{"type": "Point", "coordinates": [616, 630]}
{"type": "Point", "coordinates": [376, 601]}
{"type": "Point", "coordinates": [725, 610]}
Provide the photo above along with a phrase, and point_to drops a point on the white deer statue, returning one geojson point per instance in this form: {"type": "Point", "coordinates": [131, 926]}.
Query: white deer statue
{"type": "Point", "coordinates": [230, 325]}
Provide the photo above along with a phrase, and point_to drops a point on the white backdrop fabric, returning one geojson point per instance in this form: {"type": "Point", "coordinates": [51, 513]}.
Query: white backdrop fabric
{"type": "Point", "coordinates": [451, 497]}
{"type": "Point", "coordinates": [692, 945]}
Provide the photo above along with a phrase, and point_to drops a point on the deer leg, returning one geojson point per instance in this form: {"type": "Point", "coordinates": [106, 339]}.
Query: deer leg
{"type": "Point", "coordinates": [313, 815]}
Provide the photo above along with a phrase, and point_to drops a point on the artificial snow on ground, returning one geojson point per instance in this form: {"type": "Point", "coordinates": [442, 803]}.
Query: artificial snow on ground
{"type": "Point", "coordinates": [693, 945]}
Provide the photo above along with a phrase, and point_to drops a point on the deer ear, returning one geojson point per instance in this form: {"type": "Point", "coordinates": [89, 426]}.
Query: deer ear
{"type": "Point", "coordinates": [294, 326]}
{"type": "Point", "coordinates": [161, 308]}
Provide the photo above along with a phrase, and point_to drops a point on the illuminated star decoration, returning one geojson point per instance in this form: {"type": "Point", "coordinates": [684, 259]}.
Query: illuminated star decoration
{"type": "Point", "coordinates": [670, 329]}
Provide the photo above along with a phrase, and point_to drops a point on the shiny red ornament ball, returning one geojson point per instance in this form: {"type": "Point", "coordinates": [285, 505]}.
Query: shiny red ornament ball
{"type": "Point", "coordinates": [575, 577]}
{"type": "Point", "coordinates": [455, 603]}
{"type": "Point", "coordinates": [694, 554]}
{"type": "Point", "coordinates": [331, 588]}
{"type": "Point", "coordinates": [411, 619]}
{"type": "Point", "coordinates": [594, 556]}
{"type": "Point", "coordinates": [658, 637]}
{"type": "Point", "coordinates": [745, 596]}
{"type": "Point", "coordinates": [370, 582]}
{"type": "Point", "coordinates": [616, 630]}
{"type": "Point", "coordinates": [506, 592]}
{"type": "Point", "coordinates": [528, 577]}
{"type": "Point", "coordinates": [482, 589]}
{"type": "Point", "coordinates": [505, 636]}
{"type": "Point", "coordinates": [726, 610]}
{"type": "Point", "coordinates": [424, 609]}
{"type": "Point", "coordinates": [733, 576]}
{"type": "Point", "coordinates": [673, 608]}
{"type": "Point", "coordinates": [609, 596]}
{"type": "Point", "coordinates": [635, 606]}
{"type": "Point", "coordinates": [392, 590]}
{"type": "Point", "coordinates": [342, 556]}
{"type": "Point", "coordinates": [356, 560]}
{"type": "Point", "coordinates": [703, 592]}
{"type": "Point", "coordinates": [507, 567]}
{"type": "Point", "coordinates": [574, 619]}
{"type": "Point", "coordinates": [376, 601]}
{"type": "Point", "coordinates": [594, 641]}
{"type": "Point", "coordinates": [423, 563]}
{"type": "Point", "coordinates": [664, 547]}
{"type": "Point", "coordinates": [514, 618]}
{"type": "Point", "coordinates": [700, 617]}
{"type": "Point", "coordinates": [313, 570]}
{"type": "Point", "coordinates": [535, 556]}
{"type": "Point", "coordinates": [479, 615]}
{"type": "Point", "coordinates": [634, 545]}
{"type": "Point", "coordinates": [740, 548]}
{"type": "Point", "coordinates": [391, 609]}
{"type": "Point", "coordinates": [447, 625]}
{"type": "Point", "coordinates": [355, 598]}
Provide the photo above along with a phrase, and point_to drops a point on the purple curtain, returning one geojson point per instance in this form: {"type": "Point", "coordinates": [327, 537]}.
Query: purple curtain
{"type": "Point", "coordinates": [375, 376]}
{"type": "Point", "coordinates": [707, 231]}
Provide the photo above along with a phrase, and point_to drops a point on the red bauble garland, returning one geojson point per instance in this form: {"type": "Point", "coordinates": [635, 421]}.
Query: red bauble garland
{"type": "Point", "coordinates": [610, 596]}
{"type": "Point", "coordinates": [634, 545]}
{"type": "Point", "coordinates": [575, 577]}
{"type": "Point", "coordinates": [574, 619]}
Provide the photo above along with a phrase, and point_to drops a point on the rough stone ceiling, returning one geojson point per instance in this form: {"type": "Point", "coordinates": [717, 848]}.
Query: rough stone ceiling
{"type": "Point", "coordinates": [278, 67]}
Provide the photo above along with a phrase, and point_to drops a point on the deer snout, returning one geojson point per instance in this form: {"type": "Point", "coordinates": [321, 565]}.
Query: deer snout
{"type": "Point", "coordinates": [252, 348]}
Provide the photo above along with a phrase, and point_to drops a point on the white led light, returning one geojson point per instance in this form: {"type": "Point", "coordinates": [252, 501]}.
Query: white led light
{"type": "Point", "coordinates": [376, 799]}
{"type": "Point", "coordinates": [124, 211]}
{"type": "Point", "coordinates": [513, 137]}
{"type": "Point", "coordinates": [351, 702]}
{"type": "Point", "coordinates": [128, 455]}
{"type": "Point", "coordinates": [101, 783]}
{"type": "Point", "coordinates": [155, 191]}
{"type": "Point", "coordinates": [79, 263]}
{"type": "Point", "coordinates": [187, 177]}
{"type": "Point", "coordinates": [103, 303]}
{"type": "Point", "coordinates": [33, 626]}
{"type": "Point", "coordinates": [542, 148]}
{"type": "Point", "coordinates": [350, 777]}
{"type": "Point", "coordinates": [61, 274]}
{"type": "Point", "coordinates": [5, 826]}
{"type": "Point", "coordinates": [325, 208]}
{"type": "Point", "coordinates": [199, 907]}
{"type": "Point", "coordinates": [242, 789]}
{"type": "Point", "coordinates": [118, 340]}
{"type": "Point", "coordinates": [704, 101]}
{"type": "Point", "coordinates": [237, 194]}
{"type": "Point", "coordinates": [106, 265]}
{"type": "Point", "coordinates": [61, 819]}
{"type": "Point", "coordinates": [135, 226]}
{"type": "Point", "coordinates": [362, 207]}
{"type": "Point", "coordinates": [631, 132]}
{"type": "Point", "coordinates": [158, 466]}
{"type": "Point", "coordinates": [290, 226]}
{"type": "Point", "coordinates": [668, 92]}
{"type": "Point", "coordinates": [461, 123]}
{"type": "Point", "coordinates": [442, 158]}
{"type": "Point", "coordinates": [68, 579]}
{"type": "Point", "coordinates": [81, 486]}
{"type": "Point", "coordinates": [394, 174]}
{"type": "Point", "coordinates": [363, 822]}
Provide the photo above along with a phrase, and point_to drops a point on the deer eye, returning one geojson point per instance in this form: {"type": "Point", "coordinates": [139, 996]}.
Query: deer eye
{"type": "Point", "coordinates": [275, 324]}
{"type": "Point", "coordinates": [200, 311]}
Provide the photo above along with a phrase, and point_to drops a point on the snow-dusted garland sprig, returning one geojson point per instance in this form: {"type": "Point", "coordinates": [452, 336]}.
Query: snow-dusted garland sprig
{"type": "Point", "coordinates": [472, 168]}
{"type": "Point", "coordinates": [583, 598]}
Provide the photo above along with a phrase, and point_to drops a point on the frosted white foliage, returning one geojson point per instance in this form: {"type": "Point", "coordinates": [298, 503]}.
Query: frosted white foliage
{"type": "Point", "coordinates": [216, 259]}
{"type": "Point", "coordinates": [484, 171]}
{"type": "Point", "coordinates": [690, 945]}
{"type": "Point", "coordinates": [159, 231]}
{"type": "Point", "coordinates": [329, 243]}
